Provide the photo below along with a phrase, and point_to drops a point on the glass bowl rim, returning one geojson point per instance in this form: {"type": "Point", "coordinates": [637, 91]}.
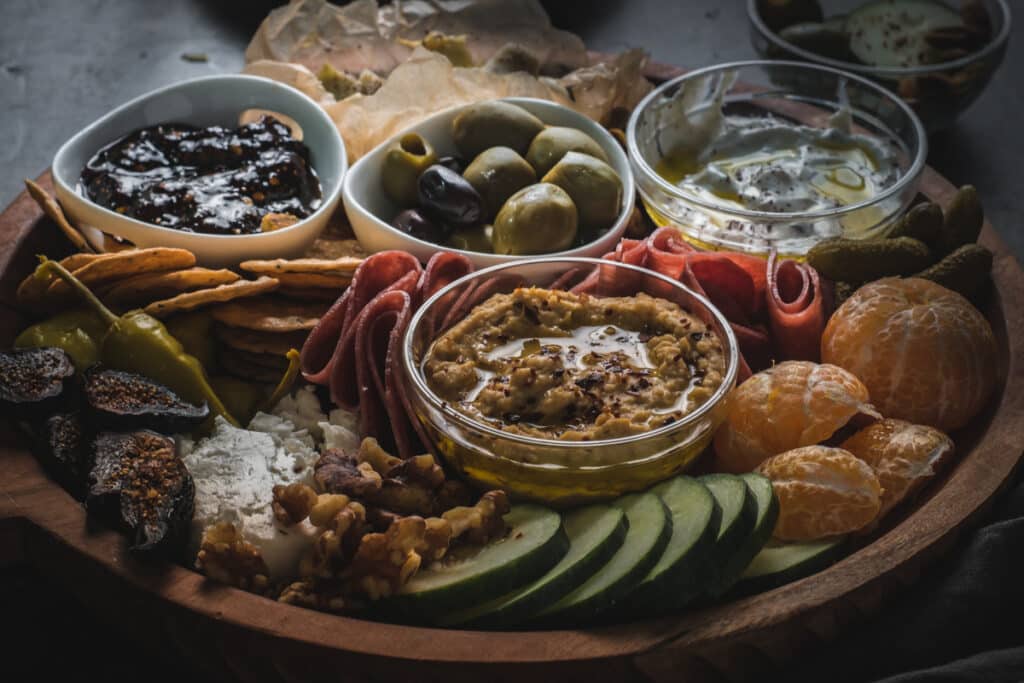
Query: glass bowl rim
{"type": "Point", "coordinates": [644, 170]}
{"type": "Point", "coordinates": [997, 43]}
{"type": "Point", "coordinates": [420, 387]}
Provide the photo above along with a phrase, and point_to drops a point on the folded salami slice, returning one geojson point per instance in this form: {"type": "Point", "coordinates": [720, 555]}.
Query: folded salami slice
{"type": "Point", "coordinates": [379, 331]}
{"type": "Point", "coordinates": [796, 309]}
{"type": "Point", "coordinates": [383, 272]}
{"type": "Point", "coordinates": [355, 348]}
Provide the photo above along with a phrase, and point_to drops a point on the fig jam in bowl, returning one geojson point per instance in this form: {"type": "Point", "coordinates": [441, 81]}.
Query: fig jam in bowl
{"type": "Point", "coordinates": [568, 379]}
{"type": "Point", "coordinates": [760, 156]}
{"type": "Point", "coordinates": [177, 167]}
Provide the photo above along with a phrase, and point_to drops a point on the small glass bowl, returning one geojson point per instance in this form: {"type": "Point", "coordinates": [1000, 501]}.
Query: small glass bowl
{"type": "Point", "coordinates": [553, 471]}
{"type": "Point", "coordinates": [939, 93]}
{"type": "Point", "coordinates": [804, 93]}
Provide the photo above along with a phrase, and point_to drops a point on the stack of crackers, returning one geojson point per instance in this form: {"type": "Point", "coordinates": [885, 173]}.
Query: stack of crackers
{"type": "Point", "coordinates": [260, 312]}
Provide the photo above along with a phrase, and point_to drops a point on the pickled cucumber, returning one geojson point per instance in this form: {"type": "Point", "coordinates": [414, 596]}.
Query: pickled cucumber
{"type": "Point", "coordinates": [850, 260]}
{"type": "Point", "coordinates": [966, 270]}
{"type": "Point", "coordinates": [963, 221]}
{"type": "Point", "coordinates": [923, 222]}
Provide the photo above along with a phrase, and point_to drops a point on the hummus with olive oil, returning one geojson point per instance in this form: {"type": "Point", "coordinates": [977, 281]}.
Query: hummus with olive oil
{"type": "Point", "coordinates": [556, 365]}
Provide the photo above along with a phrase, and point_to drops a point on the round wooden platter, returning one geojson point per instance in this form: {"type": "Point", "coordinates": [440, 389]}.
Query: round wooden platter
{"type": "Point", "coordinates": [235, 635]}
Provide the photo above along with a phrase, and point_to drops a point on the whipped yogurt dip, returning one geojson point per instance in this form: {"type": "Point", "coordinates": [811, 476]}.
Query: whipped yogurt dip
{"type": "Point", "coordinates": [762, 171]}
{"type": "Point", "coordinates": [774, 165]}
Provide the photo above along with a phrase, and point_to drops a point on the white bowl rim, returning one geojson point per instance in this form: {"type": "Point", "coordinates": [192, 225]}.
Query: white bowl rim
{"type": "Point", "coordinates": [728, 380]}
{"type": "Point", "coordinates": [906, 179]}
{"type": "Point", "coordinates": [628, 187]}
{"type": "Point", "coordinates": [327, 200]}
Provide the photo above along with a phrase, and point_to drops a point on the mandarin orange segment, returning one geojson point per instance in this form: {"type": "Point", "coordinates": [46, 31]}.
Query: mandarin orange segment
{"type": "Point", "coordinates": [793, 404]}
{"type": "Point", "coordinates": [822, 492]}
{"type": "Point", "coordinates": [903, 455]}
{"type": "Point", "coordinates": [924, 352]}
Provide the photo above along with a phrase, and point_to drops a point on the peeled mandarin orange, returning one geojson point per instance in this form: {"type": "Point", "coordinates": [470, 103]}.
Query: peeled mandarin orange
{"type": "Point", "coordinates": [924, 352]}
{"type": "Point", "coordinates": [822, 492]}
{"type": "Point", "coordinates": [792, 404]}
{"type": "Point", "coordinates": [903, 455]}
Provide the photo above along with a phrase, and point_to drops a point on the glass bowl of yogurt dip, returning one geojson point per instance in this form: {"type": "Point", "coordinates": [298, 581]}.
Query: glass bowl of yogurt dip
{"type": "Point", "coordinates": [767, 155]}
{"type": "Point", "coordinates": [566, 379]}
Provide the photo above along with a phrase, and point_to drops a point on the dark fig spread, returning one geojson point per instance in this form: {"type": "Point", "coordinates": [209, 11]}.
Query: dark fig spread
{"type": "Point", "coordinates": [211, 180]}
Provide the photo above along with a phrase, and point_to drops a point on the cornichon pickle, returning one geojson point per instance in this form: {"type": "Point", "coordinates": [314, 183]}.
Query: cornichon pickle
{"type": "Point", "coordinates": [964, 217]}
{"type": "Point", "coordinates": [923, 222]}
{"type": "Point", "coordinates": [966, 270]}
{"type": "Point", "coordinates": [850, 260]}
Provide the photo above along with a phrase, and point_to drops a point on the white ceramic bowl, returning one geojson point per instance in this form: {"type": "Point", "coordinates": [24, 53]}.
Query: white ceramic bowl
{"type": "Point", "coordinates": [211, 100]}
{"type": "Point", "coordinates": [370, 211]}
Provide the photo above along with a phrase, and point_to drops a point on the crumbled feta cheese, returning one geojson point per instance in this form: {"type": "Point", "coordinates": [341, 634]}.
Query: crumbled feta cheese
{"type": "Point", "coordinates": [235, 471]}
{"type": "Point", "coordinates": [302, 409]}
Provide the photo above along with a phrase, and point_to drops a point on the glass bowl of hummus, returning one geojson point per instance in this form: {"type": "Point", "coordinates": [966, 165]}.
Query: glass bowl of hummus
{"type": "Point", "coordinates": [565, 380]}
{"type": "Point", "coordinates": [760, 156]}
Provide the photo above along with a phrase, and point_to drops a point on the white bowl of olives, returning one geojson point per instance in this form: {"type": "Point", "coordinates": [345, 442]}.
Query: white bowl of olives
{"type": "Point", "coordinates": [497, 181]}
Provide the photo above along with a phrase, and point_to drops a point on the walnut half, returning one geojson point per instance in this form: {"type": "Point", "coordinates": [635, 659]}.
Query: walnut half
{"type": "Point", "coordinates": [227, 557]}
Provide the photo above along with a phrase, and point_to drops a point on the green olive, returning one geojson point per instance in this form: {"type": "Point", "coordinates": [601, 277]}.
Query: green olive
{"type": "Point", "coordinates": [491, 124]}
{"type": "Point", "coordinates": [496, 174]}
{"type": "Point", "coordinates": [551, 144]}
{"type": "Point", "coordinates": [538, 219]}
{"type": "Point", "coordinates": [594, 187]}
{"type": "Point", "coordinates": [404, 160]}
{"type": "Point", "coordinates": [479, 238]}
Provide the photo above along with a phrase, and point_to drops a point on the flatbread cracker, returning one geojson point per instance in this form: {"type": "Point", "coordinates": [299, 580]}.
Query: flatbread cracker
{"type": "Point", "coordinates": [276, 343]}
{"type": "Point", "coordinates": [205, 297]}
{"type": "Point", "coordinates": [32, 290]}
{"type": "Point", "coordinates": [270, 314]}
{"type": "Point", "coordinates": [344, 267]}
{"type": "Point", "coordinates": [309, 293]}
{"type": "Point", "coordinates": [333, 283]}
{"type": "Point", "coordinates": [149, 287]}
{"type": "Point", "coordinates": [52, 209]}
{"type": "Point", "coordinates": [252, 367]}
{"type": "Point", "coordinates": [120, 265]}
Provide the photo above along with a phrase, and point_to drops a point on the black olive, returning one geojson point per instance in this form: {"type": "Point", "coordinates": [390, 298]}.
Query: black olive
{"type": "Point", "coordinates": [448, 198]}
{"type": "Point", "coordinates": [453, 162]}
{"type": "Point", "coordinates": [413, 222]}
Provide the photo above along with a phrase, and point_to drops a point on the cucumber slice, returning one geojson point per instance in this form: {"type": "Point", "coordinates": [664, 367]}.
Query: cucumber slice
{"type": "Point", "coordinates": [764, 523]}
{"type": "Point", "coordinates": [535, 542]}
{"type": "Point", "coordinates": [739, 514]}
{"type": "Point", "coordinates": [892, 32]}
{"type": "Point", "coordinates": [650, 526]}
{"type": "Point", "coordinates": [595, 532]}
{"type": "Point", "coordinates": [678, 574]}
{"type": "Point", "coordinates": [781, 563]}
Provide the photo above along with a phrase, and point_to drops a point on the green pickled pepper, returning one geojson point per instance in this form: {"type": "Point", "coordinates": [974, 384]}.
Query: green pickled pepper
{"type": "Point", "coordinates": [138, 342]}
{"type": "Point", "coordinates": [194, 330]}
{"type": "Point", "coordinates": [78, 331]}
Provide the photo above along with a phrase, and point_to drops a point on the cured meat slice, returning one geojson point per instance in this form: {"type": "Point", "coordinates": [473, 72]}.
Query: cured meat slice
{"type": "Point", "coordinates": [355, 348]}
{"type": "Point", "coordinates": [443, 269]}
{"type": "Point", "coordinates": [379, 331]}
{"type": "Point", "coordinates": [383, 270]}
{"type": "Point", "coordinates": [796, 309]}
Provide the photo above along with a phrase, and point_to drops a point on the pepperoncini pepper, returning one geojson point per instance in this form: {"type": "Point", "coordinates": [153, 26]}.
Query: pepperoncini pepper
{"type": "Point", "coordinates": [284, 387]}
{"type": "Point", "coordinates": [79, 332]}
{"type": "Point", "coordinates": [138, 342]}
{"type": "Point", "coordinates": [194, 330]}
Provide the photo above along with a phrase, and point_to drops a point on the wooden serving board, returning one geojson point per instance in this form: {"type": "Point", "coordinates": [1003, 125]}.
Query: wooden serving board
{"type": "Point", "coordinates": [235, 635]}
